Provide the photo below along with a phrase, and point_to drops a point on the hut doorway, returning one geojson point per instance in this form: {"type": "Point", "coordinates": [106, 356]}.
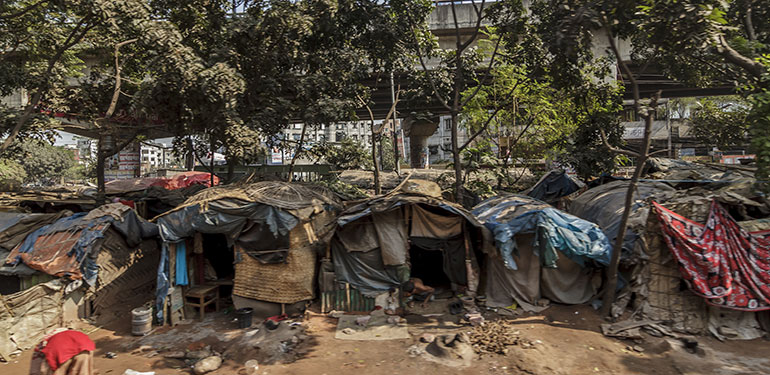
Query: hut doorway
{"type": "Point", "coordinates": [427, 265]}
{"type": "Point", "coordinates": [218, 262]}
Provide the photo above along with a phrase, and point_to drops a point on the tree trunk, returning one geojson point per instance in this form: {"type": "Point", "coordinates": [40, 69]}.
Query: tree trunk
{"type": "Point", "coordinates": [190, 160]}
{"type": "Point", "coordinates": [612, 269]}
{"type": "Point", "coordinates": [377, 184]}
{"type": "Point", "coordinates": [231, 161]}
{"type": "Point", "coordinates": [211, 163]}
{"type": "Point", "coordinates": [101, 157]}
{"type": "Point", "coordinates": [457, 162]}
{"type": "Point", "coordinates": [297, 153]}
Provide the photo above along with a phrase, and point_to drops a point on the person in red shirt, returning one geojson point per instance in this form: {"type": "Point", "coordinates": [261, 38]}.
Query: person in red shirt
{"type": "Point", "coordinates": [64, 352]}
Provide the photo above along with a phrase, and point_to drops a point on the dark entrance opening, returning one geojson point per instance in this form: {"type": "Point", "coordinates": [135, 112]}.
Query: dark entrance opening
{"type": "Point", "coordinates": [220, 256]}
{"type": "Point", "coordinates": [427, 265]}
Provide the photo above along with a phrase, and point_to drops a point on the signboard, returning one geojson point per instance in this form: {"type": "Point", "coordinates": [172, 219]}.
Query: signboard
{"type": "Point", "coordinates": [734, 159]}
{"type": "Point", "coordinates": [129, 160]}
{"type": "Point", "coordinates": [276, 156]}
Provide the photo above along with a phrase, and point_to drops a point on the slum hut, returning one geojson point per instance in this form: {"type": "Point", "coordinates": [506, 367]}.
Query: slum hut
{"type": "Point", "coordinates": [555, 188]}
{"type": "Point", "coordinates": [14, 228]}
{"type": "Point", "coordinates": [102, 263]}
{"type": "Point", "coordinates": [410, 232]}
{"type": "Point", "coordinates": [255, 242]}
{"type": "Point", "coordinates": [543, 254]}
{"type": "Point", "coordinates": [657, 287]}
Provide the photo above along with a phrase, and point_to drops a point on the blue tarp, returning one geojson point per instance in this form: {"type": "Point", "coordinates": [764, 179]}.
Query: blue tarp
{"type": "Point", "coordinates": [89, 231]}
{"type": "Point", "coordinates": [578, 239]}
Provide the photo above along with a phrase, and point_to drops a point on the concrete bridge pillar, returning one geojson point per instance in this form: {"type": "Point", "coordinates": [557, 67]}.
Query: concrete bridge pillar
{"type": "Point", "coordinates": [418, 132]}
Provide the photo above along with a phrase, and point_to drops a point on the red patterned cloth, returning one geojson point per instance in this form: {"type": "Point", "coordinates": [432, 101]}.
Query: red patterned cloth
{"type": "Point", "coordinates": [722, 262]}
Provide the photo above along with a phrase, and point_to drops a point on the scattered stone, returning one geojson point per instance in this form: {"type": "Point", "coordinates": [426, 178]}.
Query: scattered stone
{"type": "Point", "coordinates": [335, 314]}
{"type": "Point", "coordinates": [363, 320]}
{"type": "Point", "coordinates": [637, 348]}
{"type": "Point", "coordinates": [175, 355]}
{"type": "Point", "coordinates": [348, 331]}
{"type": "Point", "coordinates": [252, 366]}
{"type": "Point", "coordinates": [415, 350]}
{"type": "Point", "coordinates": [427, 338]}
{"type": "Point", "coordinates": [207, 365]}
{"type": "Point", "coordinates": [151, 354]}
{"type": "Point", "coordinates": [199, 354]}
{"type": "Point", "coordinates": [110, 355]}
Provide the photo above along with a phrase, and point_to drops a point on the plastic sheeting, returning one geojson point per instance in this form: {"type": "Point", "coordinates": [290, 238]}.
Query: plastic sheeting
{"type": "Point", "coordinates": [181, 265]}
{"type": "Point", "coordinates": [506, 216]}
{"type": "Point", "coordinates": [432, 225]}
{"type": "Point", "coordinates": [553, 186]}
{"type": "Point", "coordinates": [604, 205]}
{"type": "Point", "coordinates": [531, 284]}
{"type": "Point", "coordinates": [391, 233]}
{"type": "Point", "coordinates": [364, 270]}
{"type": "Point", "coordinates": [226, 216]}
{"type": "Point", "coordinates": [66, 247]}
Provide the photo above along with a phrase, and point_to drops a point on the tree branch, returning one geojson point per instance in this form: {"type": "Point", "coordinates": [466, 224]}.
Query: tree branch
{"type": "Point", "coordinates": [482, 83]}
{"type": "Point", "coordinates": [479, 18]}
{"type": "Point", "coordinates": [22, 11]}
{"type": "Point", "coordinates": [116, 90]}
{"type": "Point", "coordinates": [490, 118]}
{"type": "Point", "coordinates": [748, 23]}
{"type": "Point", "coordinates": [615, 149]}
{"type": "Point", "coordinates": [74, 37]}
{"type": "Point", "coordinates": [658, 152]}
{"type": "Point", "coordinates": [754, 68]}
{"type": "Point", "coordinates": [417, 48]}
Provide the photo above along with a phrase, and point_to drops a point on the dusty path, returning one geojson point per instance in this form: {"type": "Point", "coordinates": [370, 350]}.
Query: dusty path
{"type": "Point", "coordinates": [569, 343]}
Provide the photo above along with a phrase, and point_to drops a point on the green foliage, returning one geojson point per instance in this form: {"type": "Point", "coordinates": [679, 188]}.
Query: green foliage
{"type": "Point", "coordinates": [12, 174]}
{"type": "Point", "coordinates": [388, 159]}
{"type": "Point", "coordinates": [721, 122]}
{"type": "Point", "coordinates": [347, 154]}
{"type": "Point", "coordinates": [42, 162]}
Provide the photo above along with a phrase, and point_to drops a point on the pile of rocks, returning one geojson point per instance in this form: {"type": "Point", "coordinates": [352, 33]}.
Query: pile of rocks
{"type": "Point", "coordinates": [201, 361]}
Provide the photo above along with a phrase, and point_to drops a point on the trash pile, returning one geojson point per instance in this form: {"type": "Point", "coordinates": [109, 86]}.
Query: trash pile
{"type": "Point", "coordinates": [493, 337]}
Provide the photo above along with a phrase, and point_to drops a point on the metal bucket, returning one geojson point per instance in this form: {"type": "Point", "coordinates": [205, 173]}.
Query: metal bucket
{"type": "Point", "coordinates": [244, 317]}
{"type": "Point", "coordinates": [141, 321]}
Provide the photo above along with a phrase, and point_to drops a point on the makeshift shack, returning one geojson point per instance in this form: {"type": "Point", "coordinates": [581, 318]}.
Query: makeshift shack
{"type": "Point", "coordinates": [257, 242]}
{"type": "Point", "coordinates": [100, 262]}
{"type": "Point", "coordinates": [410, 232]}
{"type": "Point", "coordinates": [542, 254]}
{"type": "Point", "coordinates": [14, 228]}
{"type": "Point", "coordinates": [554, 187]}
{"type": "Point", "coordinates": [655, 288]}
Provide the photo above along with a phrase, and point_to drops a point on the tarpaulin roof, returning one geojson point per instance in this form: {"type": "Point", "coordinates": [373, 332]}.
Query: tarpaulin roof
{"type": "Point", "coordinates": [508, 215]}
{"type": "Point", "coordinates": [553, 186]}
{"type": "Point", "coordinates": [178, 181]}
{"type": "Point", "coordinates": [604, 205]}
{"type": "Point", "coordinates": [411, 192]}
{"type": "Point", "coordinates": [66, 247]}
{"type": "Point", "coordinates": [14, 226]}
{"type": "Point", "coordinates": [227, 209]}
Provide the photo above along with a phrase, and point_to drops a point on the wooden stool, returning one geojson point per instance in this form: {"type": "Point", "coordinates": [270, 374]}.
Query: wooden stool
{"type": "Point", "coordinates": [203, 295]}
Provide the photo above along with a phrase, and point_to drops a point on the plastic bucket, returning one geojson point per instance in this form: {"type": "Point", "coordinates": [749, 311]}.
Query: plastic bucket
{"type": "Point", "coordinates": [141, 321]}
{"type": "Point", "coordinates": [244, 317]}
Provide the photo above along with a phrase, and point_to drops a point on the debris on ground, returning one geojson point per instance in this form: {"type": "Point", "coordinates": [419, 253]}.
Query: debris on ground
{"type": "Point", "coordinates": [251, 366]}
{"type": "Point", "coordinates": [493, 337]}
{"type": "Point", "coordinates": [449, 350]}
{"type": "Point", "coordinates": [208, 364]}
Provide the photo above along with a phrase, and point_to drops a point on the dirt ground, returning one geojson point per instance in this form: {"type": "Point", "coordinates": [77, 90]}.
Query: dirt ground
{"type": "Point", "coordinates": [567, 342]}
